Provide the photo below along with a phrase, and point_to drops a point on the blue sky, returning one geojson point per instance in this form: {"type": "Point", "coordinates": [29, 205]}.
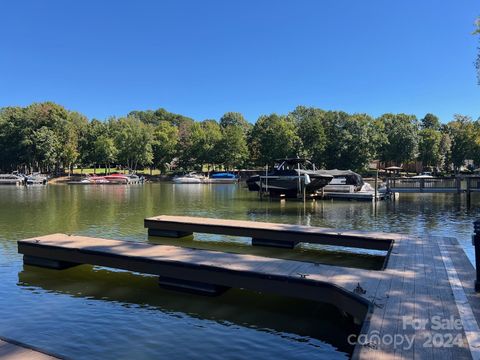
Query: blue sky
{"type": "Point", "coordinates": [204, 58]}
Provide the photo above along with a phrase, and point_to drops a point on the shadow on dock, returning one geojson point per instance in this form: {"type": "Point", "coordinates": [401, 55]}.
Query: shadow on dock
{"type": "Point", "coordinates": [322, 254]}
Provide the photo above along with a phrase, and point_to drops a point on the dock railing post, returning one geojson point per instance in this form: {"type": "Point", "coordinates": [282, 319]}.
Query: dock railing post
{"type": "Point", "coordinates": [476, 244]}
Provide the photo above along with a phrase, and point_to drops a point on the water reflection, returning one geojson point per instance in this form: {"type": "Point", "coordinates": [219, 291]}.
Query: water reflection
{"type": "Point", "coordinates": [262, 312]}
{"type": "Point", "coordinates": [85, 307]}
{"type": "Point", "coordinates": [303, 252]}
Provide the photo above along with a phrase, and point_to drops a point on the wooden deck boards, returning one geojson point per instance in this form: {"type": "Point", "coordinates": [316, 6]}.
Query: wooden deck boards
{"type": "Point", "coordinates": [15, 351]}
{"type": "Point", "coordinates": [417, 287]}
{"type": "Point", "coordinates": [312, 281]}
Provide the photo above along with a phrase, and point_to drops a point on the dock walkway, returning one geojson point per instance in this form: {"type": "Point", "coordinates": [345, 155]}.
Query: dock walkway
{"type": "Point", "coordinates": [12, 350]}
{"type": "Point", "coordinates": [265, 233]}
{"type": "Point", "coordinates": [421, 305]}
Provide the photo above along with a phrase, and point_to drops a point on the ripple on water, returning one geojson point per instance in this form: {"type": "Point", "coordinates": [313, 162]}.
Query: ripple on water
{"type": "Point", "coordinates": [97, 313]}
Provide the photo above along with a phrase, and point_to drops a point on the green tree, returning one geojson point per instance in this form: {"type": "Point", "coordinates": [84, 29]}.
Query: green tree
{"type": "Point", "coordinates": [104, 151]}
{"type": "Point", "coordinates": [430, 121]}
{"type": "Point", "coordinates": [349, 140]}
{"type": "Point", "coordinates": [461, 132]}
{"type": "Point", "coordinates": [164, 144]}
{"type": "Point", "coordinates": [273, 137]}
{"type": "Point", "coordinates": [310, 125]}
{"type": "Point", "coordinates": [133, 139]}
{"type": "Point", "coordinates": [429, 147]}
{"type": "Point", "coordinates": [212, 135]}
{"type": "Point", "coordinates": [445, 151]}
{"type": "Point", "coordinates": [235, 119]}
{"type": "Point", "coordinates": [232, 148]}
{"type": "Point", "coordinates": [402, 138]}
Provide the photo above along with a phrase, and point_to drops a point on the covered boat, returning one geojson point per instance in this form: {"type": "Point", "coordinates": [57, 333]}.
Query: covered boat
{"type": "Point", "coordinates": [288, 178]}
{"type": "Point", "coordinates": [223, 178]}
{"type": "Point", "coordinates": [343, 181]}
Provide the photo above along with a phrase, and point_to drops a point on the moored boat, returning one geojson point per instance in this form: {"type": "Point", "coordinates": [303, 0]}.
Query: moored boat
{"type": "Point", "coordinates": [36, 179]}
{"type": "Point", "coordinates": [191, 178]}
{"type": "Point", "coordinates": [222, 178]}
{"type": "Point", "coordinates": [289, 177]}
{"type": "Point", "coordinates": [11, 179]}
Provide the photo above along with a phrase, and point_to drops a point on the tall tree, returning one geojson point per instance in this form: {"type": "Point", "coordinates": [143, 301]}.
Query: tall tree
{"type": "Point", "coordinates": [232, 148]}
{"type": "Point", "coordinates": [164, 144]}
{"type": "Point", "coordinates": [133, 139]}
{"type": "Point", "coordinates": [402, 138]}
{"type": "Point", "coordinates": [461, 131]}
{"type": "Point", "coordinates": [430, 121]}
{"type": "Point", "coordinates": [272, 137]}
{"type": "Point", "coordinates": [429, 147]}
{"type": "Point", "coordinates": [235, 119]}
{"type": "Point", "coordinates": [311, 130]}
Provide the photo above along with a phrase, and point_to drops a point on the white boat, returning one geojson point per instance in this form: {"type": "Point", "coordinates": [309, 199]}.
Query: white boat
{"type": "Point", "coordinates": [36, 179]}
{"type": "Point", "coordinates": [191, 178]}
{"type": "Point", "coordinates": [424, 175]}
{"type": "Point", "coordinates": [11, 179]}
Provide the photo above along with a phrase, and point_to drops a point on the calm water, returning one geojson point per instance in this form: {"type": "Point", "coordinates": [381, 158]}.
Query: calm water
{"type": "Point", "coordinates": [96, 313]}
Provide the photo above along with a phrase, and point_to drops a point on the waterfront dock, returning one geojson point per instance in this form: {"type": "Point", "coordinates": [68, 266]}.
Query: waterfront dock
{"type": "Point", "coordinates": [267, 234]}
{"type": "Point", "coordinates": [424, 278]}
{"type": "Point", "coordinates": [13, 350]}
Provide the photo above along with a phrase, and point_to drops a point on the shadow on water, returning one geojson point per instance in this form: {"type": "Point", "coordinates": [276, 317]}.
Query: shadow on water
{"type": "Point", "coordinates": [262, 312]}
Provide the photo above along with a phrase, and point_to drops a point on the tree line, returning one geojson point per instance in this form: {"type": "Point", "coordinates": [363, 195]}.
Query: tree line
{"type": "Point", "coordinates": [49, 138]}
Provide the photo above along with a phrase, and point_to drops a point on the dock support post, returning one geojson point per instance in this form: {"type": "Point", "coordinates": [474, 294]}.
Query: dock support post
{"type": "Point", "coordinates": [476, 244]}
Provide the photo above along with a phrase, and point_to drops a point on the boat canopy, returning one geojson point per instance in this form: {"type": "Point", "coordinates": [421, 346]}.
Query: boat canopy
{"type": "Point", "coordinates": [352, 178]}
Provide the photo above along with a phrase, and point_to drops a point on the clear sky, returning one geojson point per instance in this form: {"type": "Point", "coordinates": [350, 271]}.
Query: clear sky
{"type": "Point", "coordinates": [204, 58]}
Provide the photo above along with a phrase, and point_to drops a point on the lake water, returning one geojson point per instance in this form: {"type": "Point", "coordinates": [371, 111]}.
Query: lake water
{"type": "Point", "coordinates": [97, 313]}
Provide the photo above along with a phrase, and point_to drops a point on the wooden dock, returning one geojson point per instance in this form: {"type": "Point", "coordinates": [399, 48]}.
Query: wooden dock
{"type": "Point", "coordinates": [425, 280]}
{"type": "Point", "coordinates": [358, 196]}
{"type": "Point", "coordinates": [13, 350]}
{"type": "Point", "coordinates": [269, 234]}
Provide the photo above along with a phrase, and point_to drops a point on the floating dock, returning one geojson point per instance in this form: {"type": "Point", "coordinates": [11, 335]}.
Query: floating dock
{"type": "Point", "coordinates": [13, 350]}
{"type": "Point", "coordinates": [268, 234]}
{"type": "Point", "coordinates": [426, 281]}
{"type": "Point", "coordinates": [359, 195]}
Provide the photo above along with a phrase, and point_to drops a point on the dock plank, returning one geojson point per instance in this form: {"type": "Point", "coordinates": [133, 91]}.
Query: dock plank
{"type": "Point", "coordinates": [15, 351]}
